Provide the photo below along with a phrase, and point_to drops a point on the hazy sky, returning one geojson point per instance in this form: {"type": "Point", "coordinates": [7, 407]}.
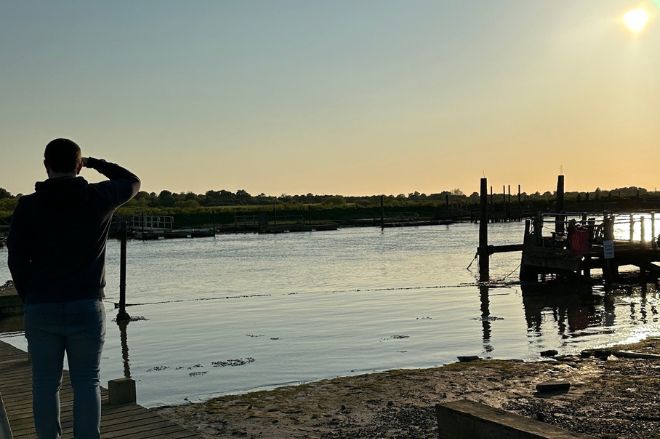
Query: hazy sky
{"type": "Point", "coordinates": [350, 97]}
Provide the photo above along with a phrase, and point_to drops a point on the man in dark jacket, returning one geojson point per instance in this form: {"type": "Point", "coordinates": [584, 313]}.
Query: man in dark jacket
{"type": "Point", "coordinates": [57, 243]}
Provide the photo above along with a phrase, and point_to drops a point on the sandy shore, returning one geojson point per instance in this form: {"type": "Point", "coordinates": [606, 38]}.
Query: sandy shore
{"type": "Point", "coordinates": [609, 398]}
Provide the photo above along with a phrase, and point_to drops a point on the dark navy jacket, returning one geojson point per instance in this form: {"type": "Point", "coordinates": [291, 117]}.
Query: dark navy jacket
{"type": "Point", "coordinates": [58, 235]}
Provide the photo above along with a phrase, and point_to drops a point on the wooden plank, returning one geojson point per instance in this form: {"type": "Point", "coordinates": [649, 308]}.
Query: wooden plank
{"type": "Point", "coordinates": [127, 421]}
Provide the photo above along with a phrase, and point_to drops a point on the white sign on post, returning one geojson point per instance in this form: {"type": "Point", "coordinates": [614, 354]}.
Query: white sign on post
{"type": "Point", "coordinates": [608, 249]}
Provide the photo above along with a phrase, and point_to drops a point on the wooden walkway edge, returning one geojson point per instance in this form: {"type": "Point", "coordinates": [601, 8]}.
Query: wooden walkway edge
{"type": "Point", "coordinates": [126, 421]}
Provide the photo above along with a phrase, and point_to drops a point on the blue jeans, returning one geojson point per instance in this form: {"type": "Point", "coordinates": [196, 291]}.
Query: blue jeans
{"type": "Point", "coordinates": [77, 328]}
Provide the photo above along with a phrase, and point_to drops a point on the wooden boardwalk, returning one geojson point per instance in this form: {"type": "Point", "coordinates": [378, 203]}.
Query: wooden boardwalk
{"type": "Point", "coordinates": [127, 421]}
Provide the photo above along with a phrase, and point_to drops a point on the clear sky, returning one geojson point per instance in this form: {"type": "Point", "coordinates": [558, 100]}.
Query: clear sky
{"type": "Point", "coordinates": [348, 97]}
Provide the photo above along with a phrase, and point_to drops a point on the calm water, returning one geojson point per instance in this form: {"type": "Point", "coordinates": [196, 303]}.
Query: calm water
{"type": "Point", "coordinates": [244, 312]}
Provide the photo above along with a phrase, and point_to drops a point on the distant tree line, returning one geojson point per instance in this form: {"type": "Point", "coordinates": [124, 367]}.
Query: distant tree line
{"type": "Point", "coordinates": [167, 202]}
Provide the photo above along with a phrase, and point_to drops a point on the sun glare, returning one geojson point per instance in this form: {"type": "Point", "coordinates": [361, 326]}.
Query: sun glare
{"type": "Point", "coordinates": [636, 19]}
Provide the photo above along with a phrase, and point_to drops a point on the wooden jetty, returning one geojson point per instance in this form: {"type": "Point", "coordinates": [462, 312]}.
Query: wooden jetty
{"type": "Point", "coordinates": [125, 421]}
{"type": "Point", "coordinates": [156, 227]}
{"type": "Point", "coordinates": [578, 242]}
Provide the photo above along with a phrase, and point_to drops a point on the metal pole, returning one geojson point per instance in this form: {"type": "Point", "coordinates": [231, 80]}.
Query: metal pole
{"type": "Point", "coordinates": [122, 315]}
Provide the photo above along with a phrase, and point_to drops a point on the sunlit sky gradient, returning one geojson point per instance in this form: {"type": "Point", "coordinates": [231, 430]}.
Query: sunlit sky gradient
{"type": "Point", "coordinates": [350, 97]}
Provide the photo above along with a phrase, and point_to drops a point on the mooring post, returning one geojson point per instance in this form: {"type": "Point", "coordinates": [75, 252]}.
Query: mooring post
{"type": "Point", "coordinates": [122, 315]}
{"type": "Point", "coordinates": [382, 212]}
{"type": "Point", "coordinates": [559, 220]}
{"type": "Point", "coordinates": [122, 391]}
{"type": "Point", "coordinates": [654, 239]}
{"type": "Point", "coordinates": [538, 229]}
{"type": "Point", "coordinates": [632, 227]}
{"type": "Point", "coordinates": [642, 230]}
{"type": "Point", "coordinates": [610, 270]}
{"type": "Point", "coordinates": [482, 251]}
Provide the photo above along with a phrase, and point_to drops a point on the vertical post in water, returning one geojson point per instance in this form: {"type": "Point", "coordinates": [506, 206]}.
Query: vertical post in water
{"type": "Point", "coordinates": [632, 227]}
{"type": "Point", "coordinates": [503, 217]}
{"type": "Point", "coordinates": [508, 202]}
{"type": "Point", "coordinates": [654, 242]}
{"type": "Point", "coordinates": [642, 230]}
{"type": "Point", "coordinates": [482, 251]}
{"type": "Point", "coordinates": [610, 270]}
{"type": "Point", "coordinates": [122, 315]}
{"type": "Point", "coordinates": [382, 212]}
{"type": "Point", "coordinates": [559, 220]}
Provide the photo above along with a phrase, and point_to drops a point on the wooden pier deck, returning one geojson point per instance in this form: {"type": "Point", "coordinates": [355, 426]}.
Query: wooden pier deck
{"type": "Point", "coordinates": [126, 421]}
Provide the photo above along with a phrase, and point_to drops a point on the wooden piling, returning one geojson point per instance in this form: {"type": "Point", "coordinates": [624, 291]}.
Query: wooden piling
{"type": "Point", "coordinates": [382, 211]}
{"type": "Point", "coordinates": [484, 263]}
{"type": "Point", "coordinates": [559, 220]}
{"type": "Point", "coordinates": [122, 315]}
{"type": "Point", "coordinates": [632, 227]}
{"type": "Point", "coordinates": [610, 269]}
{"type": "Point", "coordinates": [508, 202]}
{"type": "Point", "coordinates": [654, 239]}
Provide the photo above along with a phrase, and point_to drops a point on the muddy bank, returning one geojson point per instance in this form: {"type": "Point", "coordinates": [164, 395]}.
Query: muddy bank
{"type": "Point", "coordinates": [610, 397]}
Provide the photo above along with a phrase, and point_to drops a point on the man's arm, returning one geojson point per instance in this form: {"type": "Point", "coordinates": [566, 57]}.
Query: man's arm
{"type": "Point", "coordinates": [19, 246]}
{"type": "Point", "coordinates": [123, 184]}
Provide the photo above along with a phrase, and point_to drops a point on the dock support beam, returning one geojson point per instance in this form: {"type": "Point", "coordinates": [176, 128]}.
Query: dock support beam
{"type": "Point", "coordinates": [632, 227]}
{"type": "Point", "coordinates": [559, 221]}
{"type": "Point", "coordinates": [654, 239]}
{"type": "Point", "coordinates": [610, 270]}
{"type": "Point", "coordinates": [484, 263]}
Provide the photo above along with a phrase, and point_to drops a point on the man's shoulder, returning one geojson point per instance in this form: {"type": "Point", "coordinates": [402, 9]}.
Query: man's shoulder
{"type": "Point", "coordinates": [26, 200]}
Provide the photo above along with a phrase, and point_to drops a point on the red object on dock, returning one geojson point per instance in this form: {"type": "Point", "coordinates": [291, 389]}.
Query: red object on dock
{"type": "Point", "coordinates": [578, 241]}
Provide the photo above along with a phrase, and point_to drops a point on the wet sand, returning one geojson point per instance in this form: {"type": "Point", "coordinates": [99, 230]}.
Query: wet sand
{"type": "Point", "coordinates": [609, 398]}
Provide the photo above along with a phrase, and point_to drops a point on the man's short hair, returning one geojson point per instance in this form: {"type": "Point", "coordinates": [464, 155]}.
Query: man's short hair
{"type": "Point", "coordinates": [62, 155]}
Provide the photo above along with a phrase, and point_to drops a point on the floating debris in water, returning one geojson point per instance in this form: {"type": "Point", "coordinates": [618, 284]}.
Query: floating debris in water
{"type": "Point", "coordinates": [395, 337]}
{"type": "Point", "coordinates": [274, 338]}
{"type": "Point", "coordinates": [157, 368]}
{"type": "Point", "coordinates": [196, 374]}
{"type": "Point", "coordinates": [233, 362]}
{"type": "Point", "coordinates": [133, 319]}
{"type": "Point", "coordinates": [424, 318]}
{"type": "Point", "coordinates": [488, 319]}
{"type": "Point", "coordinates": [254, 335]}
{"type": "Point", "coordinates": [195, 366]}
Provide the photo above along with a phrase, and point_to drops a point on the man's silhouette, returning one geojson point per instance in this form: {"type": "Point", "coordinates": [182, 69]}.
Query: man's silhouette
{"type": "Point", "coordinates": [56, 245]}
